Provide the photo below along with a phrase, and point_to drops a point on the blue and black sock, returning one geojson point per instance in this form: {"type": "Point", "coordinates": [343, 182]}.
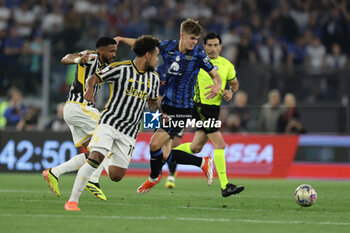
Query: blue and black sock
{"type": "Point", "coordinates": [181, 157]}
{"type": "Point", "coordinates": [156, 163]}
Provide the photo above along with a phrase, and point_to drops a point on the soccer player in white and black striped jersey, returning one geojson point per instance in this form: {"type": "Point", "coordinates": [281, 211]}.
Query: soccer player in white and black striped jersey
{"type": "Point", "coordinates": [132, 83]}
{"type": "Point", "coordinates": [80, 115]}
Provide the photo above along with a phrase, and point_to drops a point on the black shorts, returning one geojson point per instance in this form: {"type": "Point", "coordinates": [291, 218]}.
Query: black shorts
{"type": "Point", "coordinates": [176, 115]}
{"type": "Point", "coordinates": [207, 113]}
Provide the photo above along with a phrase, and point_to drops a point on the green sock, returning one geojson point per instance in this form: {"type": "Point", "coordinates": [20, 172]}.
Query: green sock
{"type": "Point", "coordinates": [220, 164]}
{"type": "Point", "coordinates": [186, 147]}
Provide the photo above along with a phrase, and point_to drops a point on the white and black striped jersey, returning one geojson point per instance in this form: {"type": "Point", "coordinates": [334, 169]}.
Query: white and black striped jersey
{"type": "Point", "coordinates": [130, 90]}
{"type": "Point", "coordinates": [83, 72]}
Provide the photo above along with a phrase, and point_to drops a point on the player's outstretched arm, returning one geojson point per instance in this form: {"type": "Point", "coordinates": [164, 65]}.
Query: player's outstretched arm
{"type": "Point", "coordinates": [216, 88]}
{"type": "Point", "coordinates": [76, 58]}
{"type": "Point", "coordinates": [90, 83]}
{"type": "Point", "coordinates": [125, 40]}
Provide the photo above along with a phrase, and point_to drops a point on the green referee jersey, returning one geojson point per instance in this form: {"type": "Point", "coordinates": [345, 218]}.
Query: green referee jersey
{"type": "Point", "coordinates": [227, 73]}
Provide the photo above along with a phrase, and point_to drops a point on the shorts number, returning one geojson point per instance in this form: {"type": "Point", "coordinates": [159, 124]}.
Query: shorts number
{"type": "Point", "coordinates": [131, 149]}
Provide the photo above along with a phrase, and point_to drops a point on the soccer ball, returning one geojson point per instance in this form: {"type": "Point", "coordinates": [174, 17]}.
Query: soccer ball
{"type": "Point", "coordinates": [305, 195]}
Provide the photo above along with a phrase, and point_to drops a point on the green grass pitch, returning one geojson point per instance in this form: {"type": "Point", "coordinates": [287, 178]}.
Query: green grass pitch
{"type": "Point", "coordinates": [27, 205]}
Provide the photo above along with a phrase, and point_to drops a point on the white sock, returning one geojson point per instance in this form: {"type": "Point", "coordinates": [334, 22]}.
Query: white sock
{"type": "Point", "coordinates": [203, 162]}
{"type": "Point", "coordinates": [152, 180]}
{"type": "Point", "coordinates": [171, 178]}
{"type": "Point", "coordinates": [81, 180]}
{"type": "Point", "coordinates": [71, 165]}
{"type": "Point", "coordinates": [105, 164]}
{"type": "Point", "coordinates": [96, 175]}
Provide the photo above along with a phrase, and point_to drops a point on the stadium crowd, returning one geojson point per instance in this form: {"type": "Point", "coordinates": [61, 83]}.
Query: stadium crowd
{"type": "Point", "coordinates": [311, 34]}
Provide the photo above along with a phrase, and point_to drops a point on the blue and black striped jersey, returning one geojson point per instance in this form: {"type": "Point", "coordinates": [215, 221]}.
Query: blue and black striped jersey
{"type": "Point", "coordinates": [181, 73]}
{"type": "Point", "coordinates": [161, 70]}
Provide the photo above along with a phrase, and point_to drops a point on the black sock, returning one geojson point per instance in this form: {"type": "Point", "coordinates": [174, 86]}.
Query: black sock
{"type": "Point", "coordinates": [172, 168]}
{"type": "Point", "coordinates": [161, 168]}
{"type": "Point", "coordinates": [182, 157]}
{"type": "Point", "coordinates": [93, 163]}
{"type": "Point", "coordinates": [156, 163]}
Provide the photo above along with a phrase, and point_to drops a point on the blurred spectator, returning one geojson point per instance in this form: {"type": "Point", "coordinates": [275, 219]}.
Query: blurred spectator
{"type": "Point", "coordinates": [301, 13]}
{"type": "Point", "coordinates": [270, 113]}
{"type": "Point", "coordinates": [336, 59]}
{"type": "Point", "coordinates": [230, 42]}
{"type": "Point", "coordinates": [29, 120]}
{"type": "Point", "coordinates": [296, 53]}
{"type": "Point", "coordinates": [3, 106]}
{"type": "Point", "coordinates": [3, 63]}
{"type": "Point", "coordinates": [289, 120]}
{"type": "Point", "coordinates": [13, 46]}
{"type": "Point", "coordinates": [336, 30]}
{"type": "Point", "coordinates": [52, 23]}
{"type": "Point", "coordinates": [41, 9]}
{"type": "Point", "coordinates": [36, 51]}
{"type": "Point", "coordinates": [245, 52]}
{"type": "Point", "coordinates": [24, 19]}
{"type": "Point", "coordinates": [31, 59]}
{"type": "Point", "coordinates": [233, 123]}
{"type": "Point", "coordinates": [282, 24]}
{"type": "Point", "coordinates": [315, 54]}
{"type": "Point", "coordinates": [271, 53]}
{"type": "Point", "coordinates": [16, 109]}
{"type": "Point", "coordinates": [5, 14]}
{"type": "Point", "coordinates": [58, 124]}
{"type": "Point", "coordinates": [239, 113]}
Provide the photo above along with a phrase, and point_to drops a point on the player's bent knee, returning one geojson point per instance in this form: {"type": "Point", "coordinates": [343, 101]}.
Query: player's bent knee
{"type": "Point", "coordinates": [116, 178]}
{"type": "Point", "coordinates": [154, 146]}
{"type": "Point", "coordinates": [196, 149]}
{"type": "Point", "coordinates": [116, 173]}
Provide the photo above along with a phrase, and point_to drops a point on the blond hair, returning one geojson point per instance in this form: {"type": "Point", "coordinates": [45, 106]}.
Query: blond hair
{"type": "Point", "coordinates": [190, 26]}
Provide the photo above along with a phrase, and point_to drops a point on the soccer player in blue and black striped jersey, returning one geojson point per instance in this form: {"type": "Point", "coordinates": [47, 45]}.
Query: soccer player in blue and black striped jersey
{"type": "Point", "coordinates": [183, 59]}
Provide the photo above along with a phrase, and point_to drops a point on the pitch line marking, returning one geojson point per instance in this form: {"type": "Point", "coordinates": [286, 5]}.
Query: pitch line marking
{"type": "Point", "coordinates": [171, 218]}
{"type": "Point", "coordinates": [191, 207]}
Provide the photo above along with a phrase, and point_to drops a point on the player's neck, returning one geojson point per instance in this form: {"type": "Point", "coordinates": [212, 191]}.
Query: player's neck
{"type": "Point", "coordinates": [182, 48]}
{"type": "Point", "coordinates": [139, 64]}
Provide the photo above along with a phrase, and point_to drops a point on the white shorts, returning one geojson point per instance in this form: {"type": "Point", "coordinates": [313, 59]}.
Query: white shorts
{"type": "Point", "coordinates": [114, 145]}
{"type": "Point", "coordinates": [81, 120]}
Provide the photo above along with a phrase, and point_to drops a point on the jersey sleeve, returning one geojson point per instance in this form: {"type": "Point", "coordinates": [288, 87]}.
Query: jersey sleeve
{"type": "Point", "coordinates": [155, 88]}
{"type": "Point", "coordinates": [163, 45]}
{"type": "Point", "coordinates": [231, 74]}
{"type": "Point", "coordinates": [108, 74]}
{"type": "Point", "coordinates": [205, 62]}
{"type": "Point", "coordinates": [161, 70]}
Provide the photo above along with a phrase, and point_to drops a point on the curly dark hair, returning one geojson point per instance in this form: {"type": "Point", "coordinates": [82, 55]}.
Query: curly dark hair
{"type": "Point", "coordinates": [144, 44]}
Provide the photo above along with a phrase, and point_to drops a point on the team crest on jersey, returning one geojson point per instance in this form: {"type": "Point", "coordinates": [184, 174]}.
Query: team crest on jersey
{"type": "Point", "coordinates": [206, 60]}
{"type": "Point", "coordinates": [216, 67]}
